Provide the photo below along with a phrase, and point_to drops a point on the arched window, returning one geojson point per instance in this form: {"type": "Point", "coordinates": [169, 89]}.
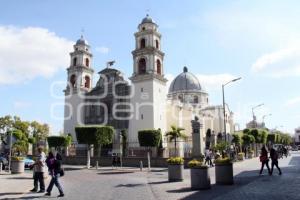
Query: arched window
{"type": "Point", "coordinates": [74, 61]}
{"type": "Point", "coordinates": [158, 67]}
{"type": "Point", "coordinates": [196, 99]}
{"type": "Point", "coordinates": [73, 80]}
{"type": "Point", "coordinates": [142, 66]}
{"type": "Point", "coordinates": [87, 82]}
{"type": "Point", "coordinates": [157, 44]}
{"type": "Point", "coordinates": [143, 28]}
{"type": "Point", "coordinates": [143, 43]}
{"type": "Point", "coordinates": [87, 62]}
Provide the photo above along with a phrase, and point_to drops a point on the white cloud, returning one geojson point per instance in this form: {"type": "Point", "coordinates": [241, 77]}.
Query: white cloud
{"type": "Point", "coordinates": [27, 53]}
{"type": "Point", "coordinates": [282, 63]}
{"type": "Point", "coordinates": [21, 105]}
{"type": "Point", "coordinates": [208, 82]}
{"type": "Point", "coordinates": [103, 50]}
{"type": "Point", "coordinates": [293, 102]}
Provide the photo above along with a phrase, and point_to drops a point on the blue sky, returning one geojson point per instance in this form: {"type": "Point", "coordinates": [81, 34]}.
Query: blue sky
{"type": "Point", "coordinates": [217, 40]}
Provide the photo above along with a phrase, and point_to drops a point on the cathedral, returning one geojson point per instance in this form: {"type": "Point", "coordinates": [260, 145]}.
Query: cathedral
{"type": "Point", "coordinates": [143, 103]}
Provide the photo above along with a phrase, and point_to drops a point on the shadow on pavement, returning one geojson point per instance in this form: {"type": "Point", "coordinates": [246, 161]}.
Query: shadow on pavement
{"type": "Point", "coordinates": [20, 178]}
{"type": "Point", "coordinates": [10, 193]}
{"type": "Point", "coordinates": [157, 183]}
{"type": "Point", "coordinates": [131, 185]}
{"type": "Point", "coordinates": [116, 173]}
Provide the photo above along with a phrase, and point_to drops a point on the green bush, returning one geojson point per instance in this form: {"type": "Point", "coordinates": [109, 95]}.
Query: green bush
{"type": "Point", "coordinates": [175, 161]}
{"type": "Point", "coordinates": [97, 135]}
{"type": "Point", "coordinates": [56, 141]}
{"type": "Point", "coordinates": [196, 164]}
{"type": "Point", "coordinates": [17, 158]}
{"type": "Point", "coordinates": [149, 138]}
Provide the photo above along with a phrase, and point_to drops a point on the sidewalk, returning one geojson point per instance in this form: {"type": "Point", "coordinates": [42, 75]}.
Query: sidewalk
{"type": "Point", "coordinates": [248, 184]}
{"type": "Point", "coordinates": [15, 185]}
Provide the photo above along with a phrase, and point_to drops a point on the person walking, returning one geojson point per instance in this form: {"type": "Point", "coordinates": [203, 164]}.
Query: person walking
{"type": "Point", "coordinates": [264, 160]}
{"type": "Point", "coordinates": [210, 155]}
{"type": "Point", "coordinates": [39, 168]}
{"type": "Point", "coordinates": [206, 156]}
{"type": "Point", "coordinates": [274, 158]}
{"type": "Point", "coordinates": [54, 165]}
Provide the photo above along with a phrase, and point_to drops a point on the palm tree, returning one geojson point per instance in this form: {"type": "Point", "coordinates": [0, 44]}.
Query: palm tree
{"type": "Point", "coordinates": [174, 134]}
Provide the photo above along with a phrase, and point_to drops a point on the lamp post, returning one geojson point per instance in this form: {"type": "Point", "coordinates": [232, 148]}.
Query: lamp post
{"type": "Point", "coordinates": [224, 112]}
{"type": "Point", "coordinates": [253, 115]}
{"type": "Point", "coordinates": [255, 108]}
{"type": "Point", "coordinates": [263, 118]}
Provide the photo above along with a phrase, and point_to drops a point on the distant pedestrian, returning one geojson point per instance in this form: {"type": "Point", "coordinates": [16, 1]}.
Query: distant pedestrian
{"type": "Point", "coordinates": [207, 157]}
{"type": "Point", "coordinates": [54, 165]}
{"type": "Point", "coordinates": [264, 160]}
{"type": "Point", "coordinates": [211, 154]}
{"type": "Point", "coordinates": [39, 168]}
{"type": "Point", "coordinates": [274, 158]}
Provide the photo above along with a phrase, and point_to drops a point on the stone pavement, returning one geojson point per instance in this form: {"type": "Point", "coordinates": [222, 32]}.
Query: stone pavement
{"type": "Point", "coordinates": [131, 184]}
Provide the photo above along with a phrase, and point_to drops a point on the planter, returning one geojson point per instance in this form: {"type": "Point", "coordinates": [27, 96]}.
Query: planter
{"type": "Point", "coordinates": [175, 173]}
{"type": "Point", "coordinates": [224, 173]}
{"type": "Point", "coordinates": [240, 157]}
{"type": "Point", "coordinates": [200, 179]}
{"type": "Point", "coordinates": [250, 155]}
{"type": "Point", "coordinates": [17, 166]}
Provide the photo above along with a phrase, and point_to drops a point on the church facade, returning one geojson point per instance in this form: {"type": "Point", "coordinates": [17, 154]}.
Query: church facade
{"type": "Point", "coordinates": [143, 103]}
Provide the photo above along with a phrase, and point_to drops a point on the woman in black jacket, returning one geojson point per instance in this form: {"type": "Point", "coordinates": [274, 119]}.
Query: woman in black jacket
{"type": "Point", "coordinates": [54, 165]}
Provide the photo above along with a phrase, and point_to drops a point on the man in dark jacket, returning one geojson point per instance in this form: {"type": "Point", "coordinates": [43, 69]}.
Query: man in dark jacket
{"type": "Point", "coordinates": [274, 158]}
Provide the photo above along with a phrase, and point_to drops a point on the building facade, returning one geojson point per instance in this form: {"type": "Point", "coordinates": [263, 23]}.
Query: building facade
{"type": "Point", "coordinates": [145, 102]}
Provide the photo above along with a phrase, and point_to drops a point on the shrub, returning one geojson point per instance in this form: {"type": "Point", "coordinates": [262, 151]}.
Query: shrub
{"type": "Point", "coordinates": [17, 158]}
{"type": "Point", "coordinates": [149, 138]}
{"type": "Point", "coordinates": [241, 154]}
{"type": "Point", "coordinates": [97, 135]}
{"type": "Point", "coordinates": [225, 160]}
{"type": "Point", "coordinates": [56, 141]}
{"type": "Point", "coordinates": [196, 164]}
{"type": "Point", "coordinates": [175, 161]}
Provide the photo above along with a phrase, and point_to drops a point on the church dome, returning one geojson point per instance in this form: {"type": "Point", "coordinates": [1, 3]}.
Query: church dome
{"type": "Point", "coordinates": [81, 41]}
{"type": "Point", "coordinates": [147, 19]}
{"type": "Point", "coordinates": [185, 82]}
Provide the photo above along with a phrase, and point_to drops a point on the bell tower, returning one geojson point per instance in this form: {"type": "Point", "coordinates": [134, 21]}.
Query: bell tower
{"type": "Point", "coordinates": [79, 82]}
{"type": "Point", "coordinates": [148, 82]}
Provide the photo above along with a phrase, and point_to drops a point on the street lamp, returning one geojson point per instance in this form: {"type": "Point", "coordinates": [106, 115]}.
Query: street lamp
{"type": "Point", "coordinates": [224, 112]}
{"type": "Point", "coordinates": [254, 108]}
{"type": "Point", "coordinates": [263, 118]}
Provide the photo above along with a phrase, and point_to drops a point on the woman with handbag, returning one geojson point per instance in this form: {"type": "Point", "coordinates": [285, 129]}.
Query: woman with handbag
{"type": "Point", "coordinates": [264, 160]}
{"type": "Point", "coordinates": [55, 170]}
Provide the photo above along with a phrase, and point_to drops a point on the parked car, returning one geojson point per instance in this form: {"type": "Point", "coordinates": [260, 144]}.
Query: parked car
{"type": "Point", "coordinates": [295, 148]}
{"type": "Point", "coordinates": [4, 162]}
{"type": "Point", "coordinates": [28, 162]}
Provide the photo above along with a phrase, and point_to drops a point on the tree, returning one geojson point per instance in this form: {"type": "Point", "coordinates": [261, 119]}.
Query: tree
{"type": "Point", "coordinates": [247, 140]}
{"type": "Point", "coordinates": [94, 135]}
{"type": "Point", "coordinates": [237, 140]}
{"type": "Point", "coordinates": [271, 138]}
{"type": "Point", "coordinates": [149, 138]}
{"type": "Point", "coordinates": [175, 134]}
{"type": "Point", "coordinates": [56, 141]}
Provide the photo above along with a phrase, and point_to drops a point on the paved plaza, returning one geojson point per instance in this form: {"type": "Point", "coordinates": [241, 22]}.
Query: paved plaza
{"type": "Point", "coordinates": [131, 184]}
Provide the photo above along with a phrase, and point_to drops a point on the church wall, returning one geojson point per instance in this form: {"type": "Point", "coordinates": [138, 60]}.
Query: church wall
{"type": "Point", "coordinates": [143, 107]}
{"type": "Point", "coordinates": [73, 114]}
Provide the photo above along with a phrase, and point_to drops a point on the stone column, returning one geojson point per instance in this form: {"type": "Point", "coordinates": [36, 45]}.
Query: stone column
{"type": "Point", "coordinates": [196, 137]}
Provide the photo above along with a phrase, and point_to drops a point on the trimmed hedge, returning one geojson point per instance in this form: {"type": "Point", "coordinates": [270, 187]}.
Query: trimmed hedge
{"type": "Point", "coordinates": [56, 141]}
{"type": "Point", "coordinates": [149, 138]}
{"type": "Point", "coordinates": [97, 135]}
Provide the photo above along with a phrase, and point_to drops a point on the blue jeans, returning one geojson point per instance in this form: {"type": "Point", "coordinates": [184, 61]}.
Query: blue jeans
{"type": "Point", "coordinates": [55, 181]}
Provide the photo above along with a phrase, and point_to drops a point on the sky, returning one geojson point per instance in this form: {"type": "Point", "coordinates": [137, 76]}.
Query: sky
{"type": "Point", "coordinates": [217, 40]}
